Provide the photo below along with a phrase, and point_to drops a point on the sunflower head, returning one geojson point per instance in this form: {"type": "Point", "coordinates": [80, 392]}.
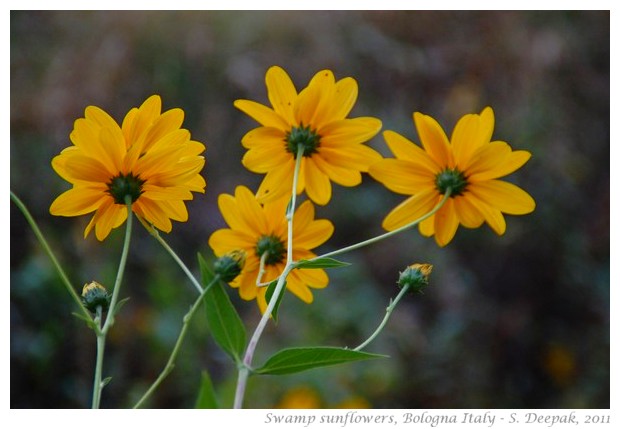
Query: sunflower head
{"type": "Point", "coordinates": [260, 230]}
{"type": "Point", "coordinates": [469, 165]}
{"type": "Point", "coordinates": [149, 161]}
{"type": "Point", "coordinates": [315, 123]}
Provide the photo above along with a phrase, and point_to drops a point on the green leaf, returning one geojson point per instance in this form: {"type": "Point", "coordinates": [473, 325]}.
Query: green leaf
{"type": "Point", "coordinates": [119, 305]}
{"type": "Point", "coordinates": [205, 271]}
{"type": "Point", "coordinates": [320, 263]}
{"type": "Point", "coordinates": [270, 290]}
{"type": "Point", "coordinates": [206, 394]}
{"type": "Point", "coordinates": [89, 322]}
{"type": "Point", "coordinates": [289, 361]}
{"type": "Point", "coordinates": [105, 381]}
{"type": "Point", "coordinates": [224, 322]}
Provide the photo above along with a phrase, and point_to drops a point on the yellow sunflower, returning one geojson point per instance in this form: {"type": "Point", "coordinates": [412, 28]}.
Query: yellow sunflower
{"type": "Point", "coordinates": [469, 165]}
{"type": "Point", "coordinates": [315, 120]}
{"type": "Point", "coordinates": [150, 158]}
{"type": "Point", "coordinates": [260, 229]}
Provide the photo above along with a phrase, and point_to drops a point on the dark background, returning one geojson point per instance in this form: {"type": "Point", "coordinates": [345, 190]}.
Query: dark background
{"type": "Point", "coordinates": [519, 321]}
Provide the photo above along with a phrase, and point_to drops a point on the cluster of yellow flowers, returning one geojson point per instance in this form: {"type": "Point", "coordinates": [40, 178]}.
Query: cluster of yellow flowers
{"type": "Point", "coordinates": [152, 163]}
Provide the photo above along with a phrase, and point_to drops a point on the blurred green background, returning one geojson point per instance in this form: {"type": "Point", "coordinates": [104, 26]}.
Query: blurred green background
{"type": "Point", "coordinates": [519, 321]}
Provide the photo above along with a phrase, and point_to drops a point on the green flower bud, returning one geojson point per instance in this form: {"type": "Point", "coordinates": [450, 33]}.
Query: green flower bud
{"type": "Point", "coordinates": [229, 266]}
{"type": "Point", "coordinates": [94, 295]}
{"type": "Point", "coordinates": [415, 277]}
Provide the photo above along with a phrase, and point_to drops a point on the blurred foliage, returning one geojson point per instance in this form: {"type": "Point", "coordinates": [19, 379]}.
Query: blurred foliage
{"type": "Point", "coordinates": [520, 321]}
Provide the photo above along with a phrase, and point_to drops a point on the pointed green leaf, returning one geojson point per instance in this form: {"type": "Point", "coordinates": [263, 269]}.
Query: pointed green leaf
{"type": "Point", "coordinates": [105, 381]}
{"type": "Point", "coordinates": [224, 322]}
{"type": "Point", "coordinates": [205, 271]}
{"type": "Point", "coordinates": [289, 361]}
{"type": "Point", "coordinates": [206, 394]}
{"type": "Point", "coordinates": [270, 290]}
{"type": "Point", "coordinates": [320, 263]}
{"type": "Point", "coordinates": [119, 305]}
{"type": "Point", "coordinates": [89, 322]}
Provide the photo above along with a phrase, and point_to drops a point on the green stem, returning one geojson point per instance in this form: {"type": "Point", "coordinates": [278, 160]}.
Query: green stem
{"type": "Point", "coordinates": [109, 321]}
{"type": "Point", "coordinates": [244, 370]}
{"type": "Point", "coordinates": [155, 233]}
{"type": "Point", "coordinates": [390, 233]}
{"type": "Point", "coordinates": [177, 347]}
{"type": "Point", "coordinates": [48, 250]}
{"type": "Point", "coordinates": [261, 270]}
{"type": "Point", "coordinates": [98, 362]}
{"type": "Point", "coordinates": [388, 312]}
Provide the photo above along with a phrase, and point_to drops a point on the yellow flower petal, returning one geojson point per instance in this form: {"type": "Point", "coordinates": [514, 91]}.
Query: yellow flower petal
{"type": "Point", "coordinates": [263, 136]}
{"type": "Point", "coordinates": [265, 159]}
{"type": "Point", "coordinates": [175, 210]}
{"type": "Point", "coordinates": [504, 196]}
{"type": "Point", "coordinates": [143, 118]}
{"type": "Point", "coordinates": [262, 114]}
{"type": "Point", "coordinates": [356, 157]}
{"type": "Point", "coordinates": [86, 136]}
{"type": "Point", "coordinates": [110, 215]}
{"type": "Point", "coordinates": [316, 279]}
{"type": "Point", "coordinates": [224, 241]}
{"type": "Point", "coordinates": [433, 139]}
{"type": "Point", "coordinates": [252, 213]}
{"type": "Point", "coordinates": [341, 175]}
{"type": "Point", "coordinates": [446, 223]}
{"type": "Point", "coordinates": [511, 162]}
{"type": "Point", "coordinates": [154, 214]}
{"type": "Point", "coordinates": [277, 183]}
{"type": "Point", "coordinates": [85, 168]}
{"type": "Point", "coordinates": [411, 209]}
{"type": "Point", "coordinates": [78, 201]}
{"type": "Point", "coordinates": [299, 288]}
{"type": "Point", "coordinates": [401, 176]}
{"type": "Point", "coordinates": [318, 186]}
{"type": "Point", "coordinates": [168, 122]}
{"type": "Point", "coordinates": [160, 193]}
{"type": "Point", "coordinates": [231, 213]}
{"type": "Point", "coordinates": [247, 286]}
{"type": "Point", "coordinates": [282, 93]}
{"type": "Point", "coordinates": [315, 101]}
{"type": "Point", "coordinates": [467, 213]}
{"type": "Point", "coordinates": [404, 149]}
{"type": "Point", "coordinates": [487, 157]}
{"type": "Point", "coordinates": [492, 216]}
{"type": "Point", "coordinates": [463, 139]}
{"type": "Point", "coordinates": [348, 131]}
{"type": "Point", "coordinates": [345, 96]}
{"type": "Point", "coordinates": [315, 234]}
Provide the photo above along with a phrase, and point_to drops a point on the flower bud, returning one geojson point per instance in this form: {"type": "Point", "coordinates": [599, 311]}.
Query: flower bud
{"type": "Point", "coordinates": [94, 295]}
{"type": "Point", "coordinates": [415, 277]}
{"type": "Point", "coordinates": [229, 266]}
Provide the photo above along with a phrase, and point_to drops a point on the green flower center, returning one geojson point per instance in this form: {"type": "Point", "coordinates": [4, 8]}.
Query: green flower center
{"type": "Point", "coordinates": [273, 246]}
{"type": "Point", "coordinates": [122, 186]}
{"type": "Point", "coordinates": [302, 137]}
{"type": "Point", "coordinates": [453, 179]}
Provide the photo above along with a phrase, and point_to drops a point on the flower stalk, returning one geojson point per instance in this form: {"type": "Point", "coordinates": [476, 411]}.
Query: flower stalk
{"type": "Point", "coordinates": [177, 346]}
{"type": "Point", "coordinates": [244, 370]}
{"type": "Point", "coordinates": [390, 233]}
{"type": "Point", "coordinates": [61, 272]}
{"type": "Point", "coordinates": [98, 384]}
{"type": "Point", "coordinates": [388, 312]}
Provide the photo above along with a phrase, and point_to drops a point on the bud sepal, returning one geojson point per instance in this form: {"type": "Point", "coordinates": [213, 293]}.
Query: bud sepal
{"type": "Point", "coordinates": [415, 277]}
{"type": "Point", "coordinates": [95, 295]}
